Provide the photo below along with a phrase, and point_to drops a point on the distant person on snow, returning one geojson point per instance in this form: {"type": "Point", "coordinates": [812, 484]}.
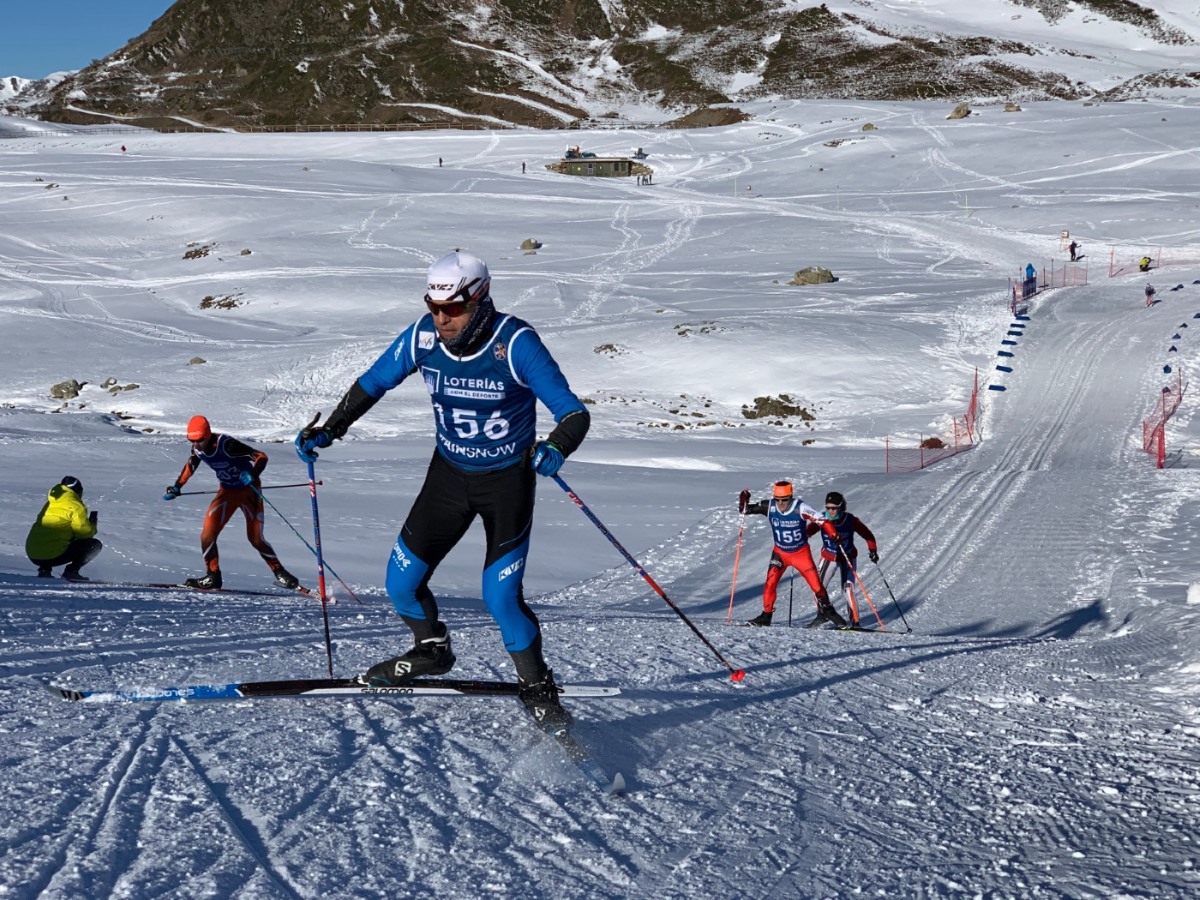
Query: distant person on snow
{"type": "Point", "coordinates": [64, 532]}
{"type": "Point", "coordinates": [789, 517]}
{"type": "Point", "coordinates": [485, 373]}
{"type": "Point", "coordinates": [1144, 264]}
{"type": "Point", "coordinates": [847, 525]}
{"type": "Point", "coordinates": [1074, 248]}
{"type": "Point", "coordinates": [238, 468]}
{"type": "Point", "coordinates": [1150, 292]}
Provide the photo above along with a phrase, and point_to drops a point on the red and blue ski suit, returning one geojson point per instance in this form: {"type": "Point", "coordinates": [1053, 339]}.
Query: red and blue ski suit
{"type": "Point", "coordinates": [229, 458]}
{"type": "Point", "coordinates": [789, 528]}
{"type": "Point", "coordinates": [844, 527]}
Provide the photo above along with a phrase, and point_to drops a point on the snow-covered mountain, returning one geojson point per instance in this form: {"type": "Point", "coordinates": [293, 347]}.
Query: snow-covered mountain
{"type": "Point", "coordinates": [11, 86]}
{"type": "Point", "coordinates": [1032, 736]}
{"type": "Point", "coordinates": [516, 62]}
{"type": "Point", "coordinates": [18, 96]}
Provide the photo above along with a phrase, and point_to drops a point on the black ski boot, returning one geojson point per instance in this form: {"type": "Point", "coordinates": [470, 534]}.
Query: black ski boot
{"type": "Point", "coordinates": [832, 615]}
{"type": "Point", "coordinates": [286, 579]}
{"type": "Point", "coordinates": [762, 620]}
{"type": "Point", "coordinates": [209, 582]}
{"type": "Point", "coordinates": [45, 572]}
{"type": "Point", "coordinates": [826, 613]}
{"type": "Point", "coordinates": [541, 699]}
{"type": "Point", "coordinates": [70, 573]}
{"type": "Point", "coordinates": [431, 656]}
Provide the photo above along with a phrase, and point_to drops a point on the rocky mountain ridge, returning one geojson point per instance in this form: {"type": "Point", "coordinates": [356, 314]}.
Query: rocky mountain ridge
{"type": "Point", "coordinates": [501, 63]}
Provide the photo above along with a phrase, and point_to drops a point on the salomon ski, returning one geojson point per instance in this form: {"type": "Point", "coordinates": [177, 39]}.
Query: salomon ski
{"type": "Point", "coordinates": [316, 687]}
{"type": "Point", "coordinates": [356, 688]}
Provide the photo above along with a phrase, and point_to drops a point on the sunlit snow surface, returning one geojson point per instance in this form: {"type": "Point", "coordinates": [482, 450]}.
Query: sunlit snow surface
{"type": "Point", "coordinates": [1035, 734]}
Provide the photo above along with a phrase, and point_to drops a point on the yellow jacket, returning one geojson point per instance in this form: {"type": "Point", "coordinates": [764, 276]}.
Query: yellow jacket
{"type": "Point", "coordinates": [63, 519]}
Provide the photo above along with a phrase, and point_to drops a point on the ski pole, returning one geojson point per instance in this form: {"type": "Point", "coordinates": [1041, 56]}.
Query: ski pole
{"type": "Point", "coordinates": [735, 675]}
{"type": "Point", "coordinates": [269, 487]}
{"type": "Point", "coordinates": [321, 564]}
{"type": "Point", "coordinates": [324, 597]}
{"type": "Point", "coordinates": [791, 591]}
{"type": "Point", "coordinates": [862, 587]}
{"type": "Point", "coordinates": [893, 596]}
{"type": "Point", "coordinates": [736, 557]}
{"type": "Point", "coordinates": [312, 493]}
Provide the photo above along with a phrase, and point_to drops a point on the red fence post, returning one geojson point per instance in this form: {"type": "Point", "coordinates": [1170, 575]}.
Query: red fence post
{"type": "Point", "coordinates": [1154, 433]}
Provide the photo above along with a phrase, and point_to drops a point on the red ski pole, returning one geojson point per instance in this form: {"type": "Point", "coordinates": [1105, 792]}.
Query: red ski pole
{"type": "Point", "coordinates": [734, 674]}
{"type": "Point", "coordinates": [736, 557]}
{"type": "Point", "coordinates": [862, 587]}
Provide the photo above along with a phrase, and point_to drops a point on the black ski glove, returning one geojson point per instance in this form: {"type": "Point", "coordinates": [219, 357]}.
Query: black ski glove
{"type": "Point", "coordinates": [873, 555]}
{"type": "Point", "coordinates": [743, 501]}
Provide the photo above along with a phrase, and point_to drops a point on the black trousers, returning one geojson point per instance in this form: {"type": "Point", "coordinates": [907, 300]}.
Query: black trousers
{"type": "Point", "coordinates": [79, 553]}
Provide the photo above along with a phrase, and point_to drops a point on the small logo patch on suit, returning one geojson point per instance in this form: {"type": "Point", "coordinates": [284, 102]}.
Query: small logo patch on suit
{"type": "Point", "coordinates": [500, 352]}
{"type": "Point", "coordinates": [425, 340]}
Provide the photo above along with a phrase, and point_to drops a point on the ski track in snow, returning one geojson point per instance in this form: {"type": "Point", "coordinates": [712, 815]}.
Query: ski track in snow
{"type": "Point", "coordinates": [1033, 736]}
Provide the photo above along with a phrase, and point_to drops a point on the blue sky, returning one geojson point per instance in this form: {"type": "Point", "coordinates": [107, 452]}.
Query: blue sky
{"type": "Point", "coordinates": [45, 36]}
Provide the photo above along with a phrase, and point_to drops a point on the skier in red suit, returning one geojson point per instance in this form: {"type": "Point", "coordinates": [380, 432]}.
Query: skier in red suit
{"type": "Point", "coordinates": [238, 468]}
{"type": "Point", "coordinates": [789, 517]}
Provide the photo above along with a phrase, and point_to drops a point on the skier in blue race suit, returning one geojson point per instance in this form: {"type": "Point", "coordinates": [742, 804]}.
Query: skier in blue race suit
{"type": "Point", "coordinates": [485, 372]}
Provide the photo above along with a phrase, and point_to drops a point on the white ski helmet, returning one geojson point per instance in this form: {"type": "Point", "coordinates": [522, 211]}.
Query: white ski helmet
{"type": "Point", "coordinates": [457, 276]}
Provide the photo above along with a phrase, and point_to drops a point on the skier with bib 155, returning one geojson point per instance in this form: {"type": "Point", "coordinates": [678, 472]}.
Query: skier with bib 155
{"type": "Point", "coordinates": [238, 468]}
{"type": "Point", "coordinates": [839, 547]}
{"type": "Point", "coordinates": [485, 372]}
{"type": "Point", "coordinates": [789, 517]}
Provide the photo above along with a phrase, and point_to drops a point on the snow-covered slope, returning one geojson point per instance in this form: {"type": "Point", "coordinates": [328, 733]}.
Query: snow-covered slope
{"type": "Point", "coordinates": [1033, 736]}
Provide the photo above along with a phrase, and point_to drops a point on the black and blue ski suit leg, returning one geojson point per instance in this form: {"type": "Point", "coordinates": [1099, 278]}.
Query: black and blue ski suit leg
{"type": "Point", "coordinates": [448, 503]}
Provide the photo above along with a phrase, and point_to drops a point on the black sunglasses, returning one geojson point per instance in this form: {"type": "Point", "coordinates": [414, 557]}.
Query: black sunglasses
{"type": "Point", "coordinates": [452, 308]}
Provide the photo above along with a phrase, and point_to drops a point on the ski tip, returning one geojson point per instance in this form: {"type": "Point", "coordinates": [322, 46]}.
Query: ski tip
{"type": "Point", "coordinates": [738, 676]}
{"type": "Point", "coordinates": [618, 785]}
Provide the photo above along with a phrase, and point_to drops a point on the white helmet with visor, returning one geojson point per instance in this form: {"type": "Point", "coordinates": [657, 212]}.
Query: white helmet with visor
{"type": "Point", "coordinates": [457, 277]}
